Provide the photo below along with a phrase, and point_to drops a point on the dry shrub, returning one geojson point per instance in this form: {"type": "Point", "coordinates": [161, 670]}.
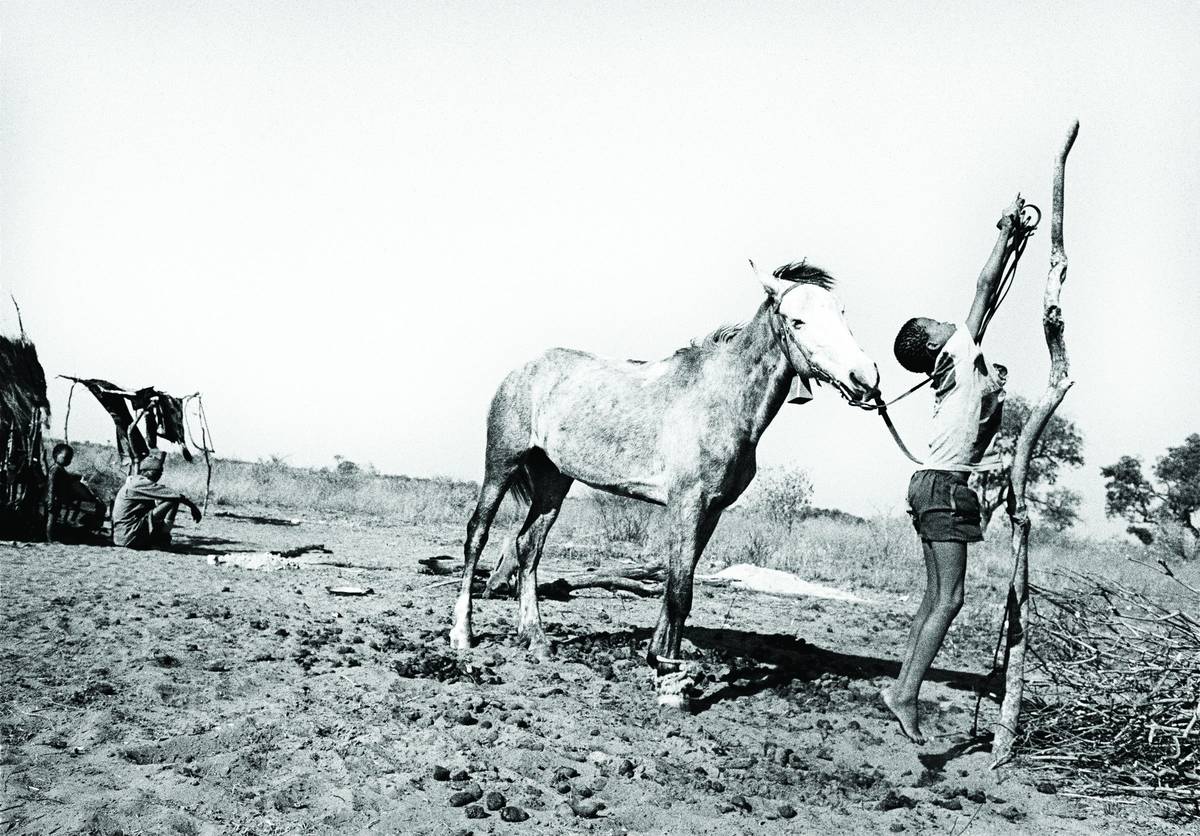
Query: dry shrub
{"type": "Point", "coordinates": [779, 495]}
{"type": "Point", "coordinates": [623, 520]}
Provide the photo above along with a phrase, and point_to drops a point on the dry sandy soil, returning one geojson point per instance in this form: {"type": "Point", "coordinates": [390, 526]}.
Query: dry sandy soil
{"type": "Point", "coordinates": [157, 693]}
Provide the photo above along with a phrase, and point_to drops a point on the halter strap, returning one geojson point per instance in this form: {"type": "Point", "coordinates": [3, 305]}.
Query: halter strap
{"type": "Point", "coordinates": [780, 328]}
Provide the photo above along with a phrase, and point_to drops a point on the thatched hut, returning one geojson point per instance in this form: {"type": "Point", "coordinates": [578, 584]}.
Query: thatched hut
{"type": "Point", "coordinates": [24, 414]}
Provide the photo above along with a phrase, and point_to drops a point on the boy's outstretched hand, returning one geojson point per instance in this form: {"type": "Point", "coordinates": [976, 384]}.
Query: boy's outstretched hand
{"type": "Point", "coordinates": [1012, 215]}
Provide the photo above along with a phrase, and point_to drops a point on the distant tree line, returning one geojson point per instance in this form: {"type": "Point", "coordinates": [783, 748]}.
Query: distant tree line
{"type": "Point", "coordinates": [1163, 511]}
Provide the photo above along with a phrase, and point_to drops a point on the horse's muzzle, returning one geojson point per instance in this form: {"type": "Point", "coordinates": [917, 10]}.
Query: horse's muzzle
{"type": "Point", "coordinates": [866, 391]}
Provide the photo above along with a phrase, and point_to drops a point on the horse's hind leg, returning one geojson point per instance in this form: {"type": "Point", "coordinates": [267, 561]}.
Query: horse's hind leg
{"type": "Point", "coordinates": [495, 483]}
{"type": "Point", "coordinates": [550, 488]}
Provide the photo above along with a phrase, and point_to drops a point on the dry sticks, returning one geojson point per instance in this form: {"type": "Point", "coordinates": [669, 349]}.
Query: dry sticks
{"type": "Point", "coordinates": [1116, 697]}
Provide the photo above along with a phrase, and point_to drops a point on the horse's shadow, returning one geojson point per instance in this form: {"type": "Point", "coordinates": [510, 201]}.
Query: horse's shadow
{"type": "Point", "coordinates": [766, 662]}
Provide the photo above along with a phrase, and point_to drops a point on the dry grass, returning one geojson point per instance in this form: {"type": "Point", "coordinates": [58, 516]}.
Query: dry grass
{"type": "Point", "coordinates": [275, 484]}
{"type": "Point", "coordinates": [880, 554]}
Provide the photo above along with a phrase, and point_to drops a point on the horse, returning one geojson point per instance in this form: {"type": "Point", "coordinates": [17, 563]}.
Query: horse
{"type": "Point", "coordinates": [680, 432]}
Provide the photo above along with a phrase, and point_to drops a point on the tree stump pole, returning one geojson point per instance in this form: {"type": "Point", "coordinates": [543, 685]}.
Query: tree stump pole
{"type": "Point", "coordinates": [1017, 636]}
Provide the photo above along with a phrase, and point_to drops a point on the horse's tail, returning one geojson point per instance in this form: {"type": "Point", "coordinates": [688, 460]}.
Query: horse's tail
{"type": "Point", "coordinates": [506, 567]}
{"type": "Point", "coordinates": [520, 486]}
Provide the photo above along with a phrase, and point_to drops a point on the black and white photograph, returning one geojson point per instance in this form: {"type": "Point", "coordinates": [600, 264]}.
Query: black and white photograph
{"type": "Point", "coordinates": [515, 416]}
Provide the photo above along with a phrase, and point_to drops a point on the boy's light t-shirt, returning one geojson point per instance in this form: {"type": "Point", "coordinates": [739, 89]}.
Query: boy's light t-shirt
{"type": "Point", "coordinates": [968, 402]}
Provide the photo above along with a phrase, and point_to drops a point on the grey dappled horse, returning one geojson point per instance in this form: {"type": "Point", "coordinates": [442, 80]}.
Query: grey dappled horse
{"type": "Point", "coordinates": [679, 432]}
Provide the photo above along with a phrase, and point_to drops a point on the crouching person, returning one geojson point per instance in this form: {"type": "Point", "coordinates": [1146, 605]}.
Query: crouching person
{"type": "Point", "coordinates": [144, 511]}
{"type": "Point", "coordinates": [74, 514]}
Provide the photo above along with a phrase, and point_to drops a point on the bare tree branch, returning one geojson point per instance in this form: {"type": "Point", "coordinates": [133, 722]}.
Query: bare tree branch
{"type": "Point", "coordinates": [1016, 640]}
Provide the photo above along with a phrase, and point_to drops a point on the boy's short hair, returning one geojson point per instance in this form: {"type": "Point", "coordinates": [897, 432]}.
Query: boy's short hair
{"type": "Point", "coordinates": [911, 347]}
{"type": "Point", "coordinates": [61, 447]}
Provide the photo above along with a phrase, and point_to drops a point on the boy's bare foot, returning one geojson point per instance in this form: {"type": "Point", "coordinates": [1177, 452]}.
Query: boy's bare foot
{"type": "Point", "coordinates": [906, 713]}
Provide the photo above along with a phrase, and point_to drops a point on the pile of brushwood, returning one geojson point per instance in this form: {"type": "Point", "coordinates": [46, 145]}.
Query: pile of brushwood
{"type": "Point", "coordinates": [1115, 699]}
{"type": "Point", "coordinates": [24, 411]}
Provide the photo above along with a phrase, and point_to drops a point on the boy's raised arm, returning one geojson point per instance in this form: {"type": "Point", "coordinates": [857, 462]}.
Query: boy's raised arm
{"type": "Point", "coordinates": [989, 277]}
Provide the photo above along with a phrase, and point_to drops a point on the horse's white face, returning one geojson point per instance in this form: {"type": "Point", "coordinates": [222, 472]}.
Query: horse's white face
{"type": "Point", "coordinates": [821, 338]}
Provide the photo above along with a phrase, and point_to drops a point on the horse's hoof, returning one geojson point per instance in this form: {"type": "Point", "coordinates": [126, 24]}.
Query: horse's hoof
{"type": "Point", "coordinates": [676, 702]}
{"type": "Point", "coordinates": [459, 640]}
{"type": "Point", "coordinates": [539, 646]}
{"type": "Point", "coordinates": [675, 689]}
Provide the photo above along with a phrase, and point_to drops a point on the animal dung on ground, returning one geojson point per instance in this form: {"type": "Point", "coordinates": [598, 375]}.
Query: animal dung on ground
{"type": "Point", "coordinates": [349, 590]}
{"type": "Point", "coordinates": [468, 795]}
{"type": "Point", "coordinates": [495, 801]}
{"type": "Point", "coordinates": [513, 814]}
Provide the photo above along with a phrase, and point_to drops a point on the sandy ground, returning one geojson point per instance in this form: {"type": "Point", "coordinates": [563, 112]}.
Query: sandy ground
{"type": "Point", "coordinates": [157, 693]}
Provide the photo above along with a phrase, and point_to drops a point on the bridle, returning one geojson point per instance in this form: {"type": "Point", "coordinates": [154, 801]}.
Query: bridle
{"type": "Point", "coordinates": [783, 334]}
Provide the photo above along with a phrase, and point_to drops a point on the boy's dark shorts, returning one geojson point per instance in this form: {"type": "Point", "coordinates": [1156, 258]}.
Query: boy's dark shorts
{"type": "Point", "coordinates": [943, 508]}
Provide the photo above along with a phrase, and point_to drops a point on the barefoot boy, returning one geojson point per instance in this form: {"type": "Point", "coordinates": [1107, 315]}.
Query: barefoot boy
{"type": "Point", "coordinates": [968, 399]}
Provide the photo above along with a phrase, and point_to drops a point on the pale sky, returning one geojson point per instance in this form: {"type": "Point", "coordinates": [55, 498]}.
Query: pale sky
{"type": "Point", "coordinates": [345, 222]}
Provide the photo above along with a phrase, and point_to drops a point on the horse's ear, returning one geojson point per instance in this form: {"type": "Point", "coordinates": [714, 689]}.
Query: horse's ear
{"type": "Point", "coordinates": [773, 286]}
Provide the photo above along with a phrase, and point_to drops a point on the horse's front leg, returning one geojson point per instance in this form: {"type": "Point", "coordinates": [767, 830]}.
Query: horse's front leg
{"type": "Point", "coordinates": [686, 538]}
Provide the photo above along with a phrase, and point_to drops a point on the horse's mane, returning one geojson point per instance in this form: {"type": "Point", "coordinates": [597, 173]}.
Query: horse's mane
{"type": "Point", "coordinates": [721, 334]}
{"type": "Point", "coordinates": [800, 272]}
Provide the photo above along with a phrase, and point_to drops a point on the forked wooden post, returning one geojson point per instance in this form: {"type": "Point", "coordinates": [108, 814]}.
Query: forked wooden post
{"type": "Point", "coordinates": [1004, 732]}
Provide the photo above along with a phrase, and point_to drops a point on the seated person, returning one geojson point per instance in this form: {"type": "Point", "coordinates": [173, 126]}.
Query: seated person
{"type": "Point", "coordinates": [144, 511]}
{"type": "Point", "coordinates": [73, 511]}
